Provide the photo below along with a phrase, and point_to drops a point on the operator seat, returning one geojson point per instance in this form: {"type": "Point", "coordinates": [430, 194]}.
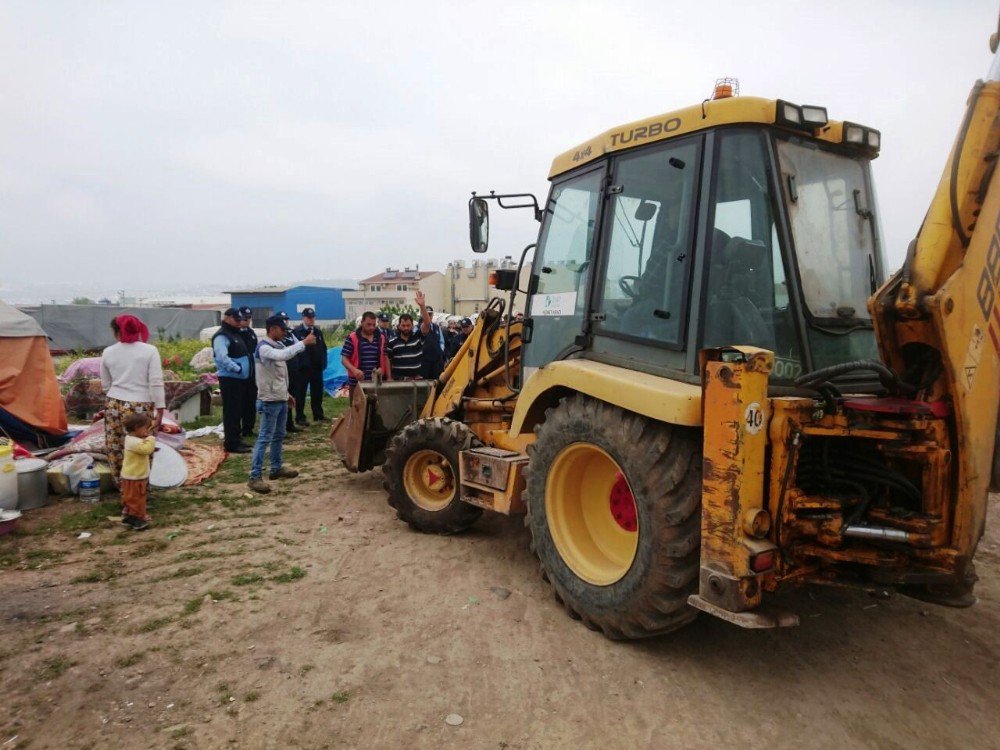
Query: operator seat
{"type": "Point", "coordinates": [738, 290]}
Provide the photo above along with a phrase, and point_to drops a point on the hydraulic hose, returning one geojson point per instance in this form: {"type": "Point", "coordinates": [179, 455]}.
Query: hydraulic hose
{"type": "Point", "coordinates": [887, 377]}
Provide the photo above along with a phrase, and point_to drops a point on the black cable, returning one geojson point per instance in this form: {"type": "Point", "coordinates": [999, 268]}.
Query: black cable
{"type": "Point", "coordinates": [887, 377]}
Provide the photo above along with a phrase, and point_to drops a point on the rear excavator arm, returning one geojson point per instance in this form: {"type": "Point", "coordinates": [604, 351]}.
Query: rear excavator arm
{"type": "Point", "coordinates": [937, 320]}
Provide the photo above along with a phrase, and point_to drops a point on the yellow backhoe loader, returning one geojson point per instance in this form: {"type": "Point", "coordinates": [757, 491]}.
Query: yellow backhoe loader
{"type": "Point", "coordinates": [715, 392]}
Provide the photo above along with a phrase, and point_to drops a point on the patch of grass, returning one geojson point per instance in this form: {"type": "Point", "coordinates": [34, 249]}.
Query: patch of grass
{"type": "Point", "coordinates": [246, 579]}
{"type": "Point", "coordinates": [149, 548]}
{"type": "Point", "coordinates": [191, 606]}
{"type": "Point", "coordinates": [206, 554]}
{"type": "Point", "coordinates": [44, 555]}
{"type": "Point", "coordinates": [306, 669]}
{"type": "Point", "coordinates": [154, 624]}
{"type": "Point", "coordinates": [286, 542]}
{"type": "Point", "coordinates": [131, 660]}
{"type": "Point", "coordinates": [225, 693]}
{"type": "Point", "coordinates": [92, 516]}
{"type": "Point", "coordinates": [293, 575]}
{"type": "Point", "coordinates": [341, 696]}
{"type": "Point", "coordinates": [9, 557]}
{"type": "Point", "coordinates": [52, 668]}
{"type": "Point", "coordinates": [252, 696]}
{"type": "Point", "coordinates": [181, 733]}
{"type": "Point", "coordinates": [100, 575]}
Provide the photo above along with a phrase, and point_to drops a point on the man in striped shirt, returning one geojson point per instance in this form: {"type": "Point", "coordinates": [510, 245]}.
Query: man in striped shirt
{"type": "Point", "coordinates": [405, 350]}
{"type": "Point", "coordinates": [364, 352]}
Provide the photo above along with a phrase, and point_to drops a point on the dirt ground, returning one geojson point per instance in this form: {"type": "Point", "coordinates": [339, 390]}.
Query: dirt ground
{"type": "Point", "coordinates": [313, 618]}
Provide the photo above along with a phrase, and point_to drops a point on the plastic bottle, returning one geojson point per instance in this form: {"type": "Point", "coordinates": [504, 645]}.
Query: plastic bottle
{"type": "Point", "coordinates": [90, 486]}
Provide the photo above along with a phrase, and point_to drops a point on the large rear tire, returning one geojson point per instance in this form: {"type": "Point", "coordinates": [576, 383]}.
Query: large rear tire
{"type": "Point", "coordinates": [421, 476]}
{"type": "Point", "coordinates": [613, 508]}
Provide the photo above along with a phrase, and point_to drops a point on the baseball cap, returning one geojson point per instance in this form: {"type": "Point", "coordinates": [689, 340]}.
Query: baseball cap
{"type": "Point", "coordinates": [466, 322]}
{"type": "Point", "coordinates": [429, 309]}
{"type": "Point", "coordinates": [384, 317]}
{"type": "Point", "coordinates": [246, 312]}
{"type": "Point", "coordinates": [282, 314]}
{"type": "Point", "coordinates": [232, 312]}
{"type": "Point", "coordinates": [277, 320]}
{"type": "Point", "coordinates": [308, 313]}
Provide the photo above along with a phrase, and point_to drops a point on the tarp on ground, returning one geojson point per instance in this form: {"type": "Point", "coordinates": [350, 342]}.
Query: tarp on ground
{"type": "Point", "coordinates": [29, 391]}
{"type": "Point", "coordinates": [334, 376]}
{"type": "Point", "coordinates": [88, 327]}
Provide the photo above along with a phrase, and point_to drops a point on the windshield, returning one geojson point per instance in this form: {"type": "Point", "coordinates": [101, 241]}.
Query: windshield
{"type": "Point", "coordinates": [832, 219]}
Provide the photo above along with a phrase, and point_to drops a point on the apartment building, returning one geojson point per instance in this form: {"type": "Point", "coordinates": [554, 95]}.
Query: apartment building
{"type": "Point", "coordinates": [395, 287]}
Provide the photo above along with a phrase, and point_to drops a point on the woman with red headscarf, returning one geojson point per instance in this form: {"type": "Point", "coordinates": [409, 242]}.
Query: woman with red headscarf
{"type": "Point", "coordinates": [133, 383]}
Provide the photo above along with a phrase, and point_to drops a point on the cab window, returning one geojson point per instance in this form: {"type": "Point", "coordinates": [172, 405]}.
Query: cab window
{"type": "Point", "coordinates": [650, 230]}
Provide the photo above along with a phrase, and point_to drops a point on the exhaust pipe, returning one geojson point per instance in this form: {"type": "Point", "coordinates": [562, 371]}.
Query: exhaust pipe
{"type": "Point", "coordinates": [876, 532]}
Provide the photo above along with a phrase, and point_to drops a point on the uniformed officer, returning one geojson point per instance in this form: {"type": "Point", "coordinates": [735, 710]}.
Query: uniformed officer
{"type": "Point", "coordinates": [315, 364]}
{"type": "Point", "coordinates": [249, 415]}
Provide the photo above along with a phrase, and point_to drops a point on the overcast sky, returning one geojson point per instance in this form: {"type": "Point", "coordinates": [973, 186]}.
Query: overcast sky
{"type": "Point", "coordinates": [191, 142]}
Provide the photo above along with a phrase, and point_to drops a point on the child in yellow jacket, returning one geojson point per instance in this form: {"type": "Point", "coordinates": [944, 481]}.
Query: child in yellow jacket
{"type": "Point", "coordinates": [139, 446]}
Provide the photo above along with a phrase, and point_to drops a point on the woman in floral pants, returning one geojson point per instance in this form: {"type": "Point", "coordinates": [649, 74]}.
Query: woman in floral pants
{"type": "Point", "coordinates": [133, 381]}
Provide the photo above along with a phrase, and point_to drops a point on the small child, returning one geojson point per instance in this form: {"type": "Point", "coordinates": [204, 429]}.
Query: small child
{"type": "Point", "coordinates": [139, 446]}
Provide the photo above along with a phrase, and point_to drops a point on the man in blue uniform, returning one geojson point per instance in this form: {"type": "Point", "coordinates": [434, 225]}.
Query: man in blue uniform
{"type": "Point", "coordinates": [250, 395]}
{"type": "Point", "coordinates": [314, 364]}
{"type": "Point", "coordinates": [232, 363]}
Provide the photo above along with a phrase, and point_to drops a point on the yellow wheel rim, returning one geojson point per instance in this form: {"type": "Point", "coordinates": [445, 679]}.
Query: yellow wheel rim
{"type": "Point", "coordinates": [429, 480]}
{"type": "Point", "coordinates": [586, 503]}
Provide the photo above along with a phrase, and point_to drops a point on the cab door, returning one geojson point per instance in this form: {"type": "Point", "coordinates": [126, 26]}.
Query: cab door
{"type": "Point", "coordinates": [563, 267]}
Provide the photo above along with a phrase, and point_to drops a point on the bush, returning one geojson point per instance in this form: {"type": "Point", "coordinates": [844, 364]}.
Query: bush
{"type": "Point", "coordinates": [175, 355]}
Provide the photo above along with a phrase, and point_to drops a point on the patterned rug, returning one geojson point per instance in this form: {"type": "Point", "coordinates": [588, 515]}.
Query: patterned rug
{"type": "Point", "coordinates": [202, 461]}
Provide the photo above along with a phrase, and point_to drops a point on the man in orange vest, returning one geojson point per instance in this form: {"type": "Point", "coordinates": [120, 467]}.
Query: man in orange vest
{"type": "Point", "coordinates": [364, 352]}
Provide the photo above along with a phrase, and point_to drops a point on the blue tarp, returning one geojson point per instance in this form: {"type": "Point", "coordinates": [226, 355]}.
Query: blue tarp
{"type": "Point", "coordinates": [334, 376]}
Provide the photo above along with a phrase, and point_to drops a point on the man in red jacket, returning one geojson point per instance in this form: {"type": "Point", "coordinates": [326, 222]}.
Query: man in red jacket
{"type": "Point", "coordinates": [364, 352]}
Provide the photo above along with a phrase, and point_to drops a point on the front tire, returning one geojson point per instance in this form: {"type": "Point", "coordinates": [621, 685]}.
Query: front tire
{"type": "Point", "coordinates": [421, 476]}
{"type": "Point", "coordinates": [613, 508]}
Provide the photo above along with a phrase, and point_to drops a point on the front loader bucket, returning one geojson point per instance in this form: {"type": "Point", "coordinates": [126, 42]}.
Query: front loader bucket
{"type": "Point", "coordinates": [376, 413]}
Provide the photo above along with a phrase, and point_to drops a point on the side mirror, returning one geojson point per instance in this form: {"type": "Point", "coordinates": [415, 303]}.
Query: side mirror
{"type": "Point", "coordinates": [479, 225]}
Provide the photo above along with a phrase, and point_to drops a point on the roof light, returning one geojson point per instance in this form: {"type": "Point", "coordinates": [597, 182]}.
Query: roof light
{"type": "Point", "coordinates": [868, 139]}
{"type": "Point", "coordinates": [814, 117]}
{"type": "Point", "coordinates": [854, 134]}
{"type": "Point", "coordinates": [789, 114]}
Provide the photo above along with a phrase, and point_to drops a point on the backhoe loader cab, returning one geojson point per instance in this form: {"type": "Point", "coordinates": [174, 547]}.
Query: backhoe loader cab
{"type": "Point", "coordinates": [715, 392]}
{"type": "Point", "coordinates": [732, 227]}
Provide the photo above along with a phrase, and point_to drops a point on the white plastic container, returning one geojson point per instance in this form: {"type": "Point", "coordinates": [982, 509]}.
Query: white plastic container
{"type": "Point", "coordinates": [90, 486]}
{"type": "Point", "coordinates": [32, 483]}
{"type": "Point", "coordinates": [8, 478]}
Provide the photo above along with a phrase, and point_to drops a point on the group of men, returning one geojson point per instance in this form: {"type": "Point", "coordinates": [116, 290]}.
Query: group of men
{"type": "Point", "coordinates": [236, 350]}
{"type": "Point", "coordinates": [413, 350]}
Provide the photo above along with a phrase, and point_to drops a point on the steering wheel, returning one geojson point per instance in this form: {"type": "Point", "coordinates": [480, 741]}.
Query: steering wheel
{"type": "Point", "coordinates": [628, 285]}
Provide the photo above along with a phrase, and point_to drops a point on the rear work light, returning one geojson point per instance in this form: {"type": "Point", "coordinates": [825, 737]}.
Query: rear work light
{"type": "Point", "coordinates": [858, 135]}
{"type": "Point", "coordinates": [807, 117]}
